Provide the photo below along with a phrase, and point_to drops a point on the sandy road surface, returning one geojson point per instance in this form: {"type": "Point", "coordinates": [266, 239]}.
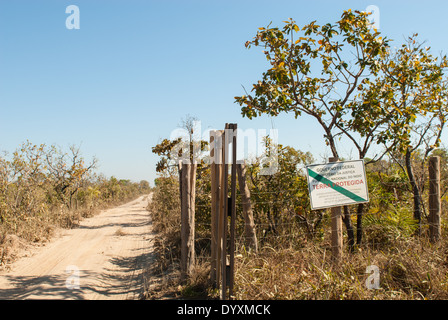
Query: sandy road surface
{"type": "Point", "coordinates": [103, 258]}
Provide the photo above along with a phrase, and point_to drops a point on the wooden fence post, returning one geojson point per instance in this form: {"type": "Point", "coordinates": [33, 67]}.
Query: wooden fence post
{"type": "Point", "coordinates": [224, 212]}
{"type": "Point", "coordinates": [434, 199]}
{"type": "Point", "coordinates": [216, 225]}
{"type": "Point", "coordinates": [179, 170]}
{"type": "Point", "coordinates": [213, 213]}
{"type": "Point", "coordinates": [187, 218]}
{"type": "Point", "coordinates": [219, 171]}
{"type": "Point", "coordinates": [336, 229]}
{"type": "Point", "coordinates": [223, 207]}
{"type": "Point", "coordinates": [192, 212]}
{"type": "Point", "coordinates": [232, 208]}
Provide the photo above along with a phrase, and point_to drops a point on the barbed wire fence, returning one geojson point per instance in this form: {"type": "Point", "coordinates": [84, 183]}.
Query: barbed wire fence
{"type": "Point", "coordinates": [282, 216]}
{"type": "Point", "coordinates": [294, 228]}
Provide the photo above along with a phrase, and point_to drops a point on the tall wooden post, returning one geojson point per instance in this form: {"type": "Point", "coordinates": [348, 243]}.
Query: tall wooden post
{"type": "Point", "coordinates": [232, 209]}
{"type": "Point", "coordinates": [223, 207]}
{"type": "Point", "coordinates": [214, 212]}
{"type": "Point", "coordinates": [224, 212]}
{"type": "Point", "coordinates": [434, 199]}
{"type": "Point", "coordinates": [192, 212]}
{"type": "Point", "coordinates": [219, 206]}
{"type": "Point", "coordinates": [336, 229]}
{"type": "Point", "coordinates": [187, 218]}
{"type": "Point", "coordinates": [179, 170]}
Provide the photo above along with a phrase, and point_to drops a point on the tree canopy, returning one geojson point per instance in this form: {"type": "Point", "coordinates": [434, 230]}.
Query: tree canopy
{"type": "Point", "coordinates": [348, 78]}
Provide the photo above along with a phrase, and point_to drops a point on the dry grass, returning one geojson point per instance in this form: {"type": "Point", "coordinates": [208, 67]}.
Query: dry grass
{"type": "Point", "coordinates": [293, 266]}
{"type": "Point", "coordinates": [165, 281]}
{"type": "Point", "coordinates": [411, 269]}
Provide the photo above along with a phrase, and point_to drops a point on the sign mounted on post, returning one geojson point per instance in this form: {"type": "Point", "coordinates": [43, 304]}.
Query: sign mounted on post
{"type": "Point", "coordinates": [337, 184]}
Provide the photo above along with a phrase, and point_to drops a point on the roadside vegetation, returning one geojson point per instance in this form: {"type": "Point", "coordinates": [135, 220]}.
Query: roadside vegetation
{"type": "Point", "coordinates": [389, 103]}
{"type": "Point", "coordinates": [43, 188]}
{"type": "Point", "coordinates": [293, 260]}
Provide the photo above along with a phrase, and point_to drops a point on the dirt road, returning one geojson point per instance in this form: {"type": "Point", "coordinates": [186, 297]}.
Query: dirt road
{"type": "Point", "coordinates": [103, 258]}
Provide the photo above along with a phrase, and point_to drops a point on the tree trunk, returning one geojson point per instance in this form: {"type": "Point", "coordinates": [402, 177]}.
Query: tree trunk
{"type": "Point", "coordinates": [251, 236]}
{"type": "Point", "coordinates": [349, 227]}
{"type": "Point", "coordinates": [359, 230]}
{"type": "Point", "coordinates": [415, 190]}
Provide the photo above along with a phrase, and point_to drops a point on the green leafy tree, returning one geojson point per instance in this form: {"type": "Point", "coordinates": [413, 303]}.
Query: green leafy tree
{"type": "Point", "coordinates": [412, 93]}
{"type": "Point", "coordinates": [67, 171]}
{"type": "Point", "coordinates": [24, 179]}
{"type": "Point", "coordinates": [318, 71]}
{"type": "Point", "coordinates": [164, 149]}
{"type": "Point", "coordinates": [347, 78]}
{"type": "Point", "coordinates": [186, 147]}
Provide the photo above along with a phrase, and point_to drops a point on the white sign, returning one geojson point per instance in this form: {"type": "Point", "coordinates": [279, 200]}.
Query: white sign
{"type": "Point", "coordinates": [337, 184]}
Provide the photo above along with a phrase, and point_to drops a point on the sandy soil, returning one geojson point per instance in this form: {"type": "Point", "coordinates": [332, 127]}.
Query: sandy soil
{"type": "Point", "coordinates": [104, 258]}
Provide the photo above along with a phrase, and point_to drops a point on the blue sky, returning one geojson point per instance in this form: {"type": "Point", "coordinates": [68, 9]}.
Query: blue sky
{"type": "Point", "coordinates": [134, 69]}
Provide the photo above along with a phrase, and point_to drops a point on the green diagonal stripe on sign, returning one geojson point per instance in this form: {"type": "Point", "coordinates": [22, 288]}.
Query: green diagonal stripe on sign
{"type": "Point", "coordinates": [334, 186]}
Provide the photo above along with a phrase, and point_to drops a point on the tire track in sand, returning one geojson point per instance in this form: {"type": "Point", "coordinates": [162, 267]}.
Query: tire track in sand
{"type": "Point", "coordinates": [108, 251]}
